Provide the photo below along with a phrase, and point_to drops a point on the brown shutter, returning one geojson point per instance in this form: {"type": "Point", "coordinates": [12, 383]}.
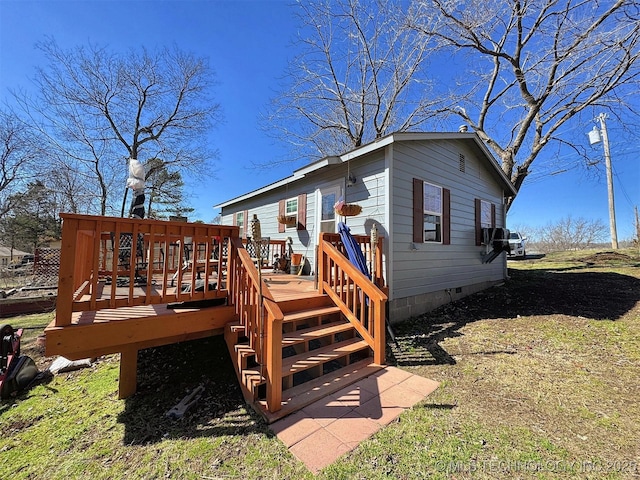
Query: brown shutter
{"type": "Point", "coordinates": [234, 219]}
{"type": "Point", "coordinates": [446, 216]}
{"type": "Point", "coordinates": [478, 222]}
{"type": "Point", "coordinates": [281, 212]}
{"type": "Point", "coordinates": [418, 210]}
{"type": "Point", "coordinates": [302, 211]}
{"type": "Point", "coordinates": [493, 215]}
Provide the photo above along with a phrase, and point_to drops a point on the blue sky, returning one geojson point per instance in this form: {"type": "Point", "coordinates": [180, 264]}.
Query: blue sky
{"type": "Point", "coordinates": [249, 44]}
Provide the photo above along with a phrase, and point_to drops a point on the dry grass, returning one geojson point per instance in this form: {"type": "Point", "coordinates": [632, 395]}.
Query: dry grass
{"type": "Point", "coordinates": [553, 355]}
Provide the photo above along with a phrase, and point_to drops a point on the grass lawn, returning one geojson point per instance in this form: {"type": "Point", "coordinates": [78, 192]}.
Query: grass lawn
{"type": "Point", "coordinates": [539, 379]}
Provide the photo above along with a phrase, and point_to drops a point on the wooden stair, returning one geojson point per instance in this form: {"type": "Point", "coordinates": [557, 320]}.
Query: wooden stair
{"type": "Point", "coordinates": [321, 354]}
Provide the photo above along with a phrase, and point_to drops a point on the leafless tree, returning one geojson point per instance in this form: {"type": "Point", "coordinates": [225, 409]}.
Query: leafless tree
{"type": "Point", "coordinates": [530, 66]}
{"type": "Point", "coordinates": [571, 233]}
{"type": "Point", "coordinates": [17, 158]}
{"type": "Point", "coordinates": [99, 108]}
{"type": "Point", "coordinates": [359, 76]}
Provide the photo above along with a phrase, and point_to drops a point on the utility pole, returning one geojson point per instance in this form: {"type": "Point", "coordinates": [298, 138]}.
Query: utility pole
{"type": "Point", "coordinates": [594, 137]}
{"type": "Point", "coordinates": [637, 227]}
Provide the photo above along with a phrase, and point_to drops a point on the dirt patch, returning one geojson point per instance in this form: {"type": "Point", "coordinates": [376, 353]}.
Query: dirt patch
{"type": "Point", "coordinates": [607, 258]}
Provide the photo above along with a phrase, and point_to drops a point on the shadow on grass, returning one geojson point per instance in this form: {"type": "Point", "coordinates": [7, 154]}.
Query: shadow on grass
{"type": "Point", "coordinates": [167, 374]}
{"type": "Point", "coordinates": [591, 295]}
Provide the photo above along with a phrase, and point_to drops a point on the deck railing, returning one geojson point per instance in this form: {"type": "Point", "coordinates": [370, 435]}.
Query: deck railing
{"type": "Point", "coordinates": [361, 301]}
{"type": "Point", "coordinates": [111, 262]}
{"type": "Point", "coordinates": [261, 317]}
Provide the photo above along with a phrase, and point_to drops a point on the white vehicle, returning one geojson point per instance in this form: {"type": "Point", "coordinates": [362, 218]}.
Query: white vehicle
{"type": "Point", "coordinates": [516, 243]}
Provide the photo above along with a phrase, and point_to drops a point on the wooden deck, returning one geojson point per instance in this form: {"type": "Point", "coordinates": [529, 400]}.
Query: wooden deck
{"type": "Point", "coordinates": [128, 284]}
{"type": "Point", "coordinates": [283, 287]}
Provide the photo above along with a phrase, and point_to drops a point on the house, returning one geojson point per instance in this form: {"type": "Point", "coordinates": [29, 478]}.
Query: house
{"type": "Point", "coordinates": [435, 199]}
{"type": "Point", "coordinates": [10, 256]}
{"type": "Point", "coordinates": [429, 195]}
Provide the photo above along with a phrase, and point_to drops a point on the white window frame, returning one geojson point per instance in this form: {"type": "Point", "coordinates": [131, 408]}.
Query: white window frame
{"type": "Point", "coordinates": [293, 213]}
{"type": "Point", "coordinates": [428, 211]}
{"type": "Point", "coordinates": [241, 222]}
{"type": "Point", "coordinates": [485, 214]}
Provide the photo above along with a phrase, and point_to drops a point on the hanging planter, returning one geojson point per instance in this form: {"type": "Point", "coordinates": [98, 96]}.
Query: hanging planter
{"type": "Point", "coordinates": [347, 210]}
{"type": "Point", "coordinates": [288, 220]}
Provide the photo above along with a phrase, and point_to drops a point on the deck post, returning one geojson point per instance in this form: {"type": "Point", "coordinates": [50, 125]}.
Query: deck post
{"type": "Point", "coordinates": [320, 265]}
{"type": "Point", "coordinates": [66, 285]}
{"type": "Point", "coordinates": [274, 362]}
{"type": "Point", "coordinates": [128, 372]}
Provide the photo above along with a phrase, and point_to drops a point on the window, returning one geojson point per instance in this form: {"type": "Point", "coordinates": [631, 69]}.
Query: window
{"type": "Point", "coordinates": [297, 207]}
{"type": "Point", "coordinates": [291, 209]}
{"type": "Point", "coordinates": [485, 214]}
{"type": "Point", "coordinates": [240, 222]}
{"type": "Point", "coordinates": [432, 211]}
{"type": "Point", "coordinates": [485, 218]}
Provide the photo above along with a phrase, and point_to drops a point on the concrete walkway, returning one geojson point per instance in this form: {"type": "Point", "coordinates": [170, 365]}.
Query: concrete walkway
{"type": "Point", "coordinates": [323, 431]}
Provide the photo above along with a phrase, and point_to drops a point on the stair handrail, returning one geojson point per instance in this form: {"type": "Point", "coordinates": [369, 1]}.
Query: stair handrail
{"type": "Point", "coordinates": [359, 299]}
{"type": "Point", "coordinates": [246, 290]}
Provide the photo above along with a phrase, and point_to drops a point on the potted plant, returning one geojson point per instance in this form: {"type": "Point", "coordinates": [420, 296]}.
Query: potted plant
{"type": "Point", "coordinates": [346, 209]}
{"type": "Point", "coordinates": [288, 220]}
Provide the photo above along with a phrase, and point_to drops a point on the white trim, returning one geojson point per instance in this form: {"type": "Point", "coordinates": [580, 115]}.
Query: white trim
{"type": "Point", "coordinates": [388, 215]}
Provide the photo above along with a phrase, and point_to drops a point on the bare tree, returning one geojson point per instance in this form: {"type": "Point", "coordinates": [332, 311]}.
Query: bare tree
{"type": "Point", "coordinates": [359, 76]}
{"type": "Point", "coordinates": [571, 234]}
{"type": "Point", "coordinates": [98, 109]}
{"type": "Point", "coordinates": [16, 158]}
{"type": "Point", "coordinates": [533, 65]}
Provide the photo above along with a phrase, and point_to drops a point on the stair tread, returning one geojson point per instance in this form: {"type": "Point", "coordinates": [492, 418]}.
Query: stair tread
{"type": "Point", "coordinates": [299, 336]}
{"type": "Point", "coordinates": [310, 313]}
{"type": "Point", "coordinates": [306, 360]}
{"type": "Point", "coordinates": [244, 348]}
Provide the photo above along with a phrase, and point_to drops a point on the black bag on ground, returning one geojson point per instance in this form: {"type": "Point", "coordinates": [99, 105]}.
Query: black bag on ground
{"type": "Point", "coordinates": [16, 371]}
{"type": "Point", "coordinates": [19, 377]}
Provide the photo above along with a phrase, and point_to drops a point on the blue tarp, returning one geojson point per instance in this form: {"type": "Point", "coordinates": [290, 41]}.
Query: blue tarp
{"type": "Point", "coordinates": [354, 252]}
